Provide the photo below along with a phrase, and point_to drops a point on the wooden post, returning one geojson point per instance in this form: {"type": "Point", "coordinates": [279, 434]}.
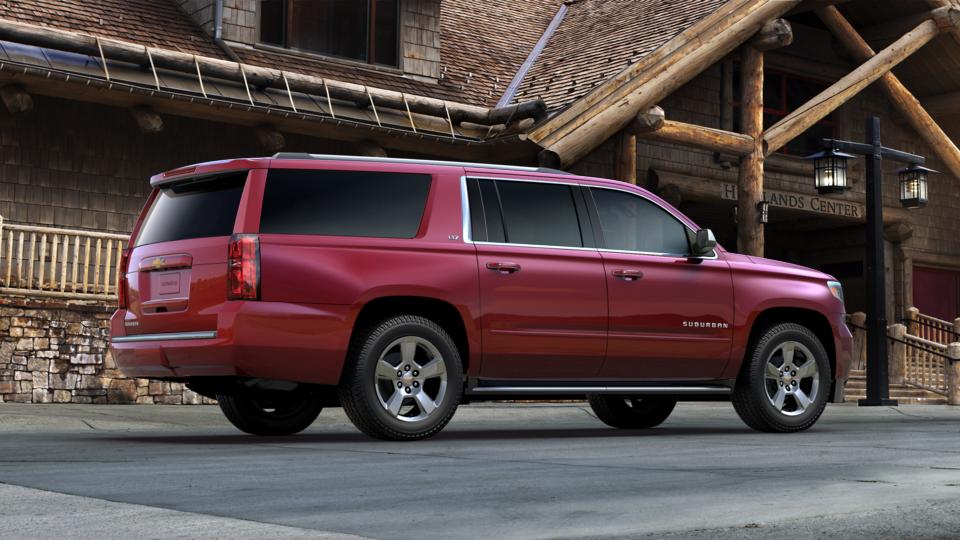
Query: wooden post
{"type": "Point", "coordinates": [850, 85]}
{"type": "Point", "coordinates": [953, 373]}
{"type": "Point", "coordinates": [898, 355]}
{"type": "Point", "coordinates": [750, 237]}
{"type": "Point", "coordinates": [626, 165]}
{"type": "Point", "coordinates": [918, 118]}
{"type": "Point", "coordinates": [913, 315]}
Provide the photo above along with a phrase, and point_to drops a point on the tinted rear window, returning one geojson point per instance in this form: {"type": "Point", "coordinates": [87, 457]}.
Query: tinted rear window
{"type": "Point", "coordinates": [194, 210]}
{"type": "Point", "coordinates": [539, 214]}
{"type": "Point", "coordinates": [344, 203]}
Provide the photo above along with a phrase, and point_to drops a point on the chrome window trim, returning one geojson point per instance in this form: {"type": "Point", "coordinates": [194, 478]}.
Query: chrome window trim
{"type": "Point", "coordinates": [467, 223]}
{"type": "Point", "coordinates": [170, 336]}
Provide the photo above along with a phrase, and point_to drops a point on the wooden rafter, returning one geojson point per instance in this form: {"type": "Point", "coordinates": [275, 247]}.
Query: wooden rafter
{"type": "Point", "coordinates": [843, 90]}
{"type": "Point", "coordinates": [715, 140]}
{"type": "Point", "coordinates": [573, 133]}
{"type": "Point", "coordinates": [921, 121]}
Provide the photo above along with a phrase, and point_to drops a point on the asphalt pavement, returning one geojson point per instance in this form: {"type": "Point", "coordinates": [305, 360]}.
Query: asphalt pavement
{"type": "Point", "coordinates": [498, 471]}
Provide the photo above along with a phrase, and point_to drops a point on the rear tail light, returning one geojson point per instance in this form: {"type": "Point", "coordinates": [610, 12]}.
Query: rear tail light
{"type": "Point", "coordinates": [243, 267]}
{"type": "Point", "coordinates": [122, 279]}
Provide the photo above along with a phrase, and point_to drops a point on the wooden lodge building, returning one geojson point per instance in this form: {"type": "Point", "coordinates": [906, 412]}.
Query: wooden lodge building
{"type": "Point", "coordinates": [710, 103]}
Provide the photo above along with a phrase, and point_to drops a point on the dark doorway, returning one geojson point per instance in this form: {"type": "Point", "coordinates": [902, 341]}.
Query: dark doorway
{"type": "Point", "coordinates": [936, 292]}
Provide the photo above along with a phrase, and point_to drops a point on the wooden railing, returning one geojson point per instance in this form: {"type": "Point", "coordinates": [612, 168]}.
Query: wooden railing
{"type": "Point", "coordinates": [932, 328]}
{"type": "Point", "coordinates": [925, 364]}
{"type": "Point", "coordinates": [47, 261]}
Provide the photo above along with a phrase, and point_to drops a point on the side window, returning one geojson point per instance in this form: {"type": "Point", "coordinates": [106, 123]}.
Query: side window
{"type": "Point", "coordinates": [540, 214]}
{"type": "Point", "coordinates": [632, 223]}
{"type": "Point", "coordinates": [517, 212]}
{"type": "Point", "coordinates": [344, 203]}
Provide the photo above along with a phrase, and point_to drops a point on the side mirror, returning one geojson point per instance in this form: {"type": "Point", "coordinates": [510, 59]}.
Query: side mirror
{"type": "Point", "coordinates": [704, 243]}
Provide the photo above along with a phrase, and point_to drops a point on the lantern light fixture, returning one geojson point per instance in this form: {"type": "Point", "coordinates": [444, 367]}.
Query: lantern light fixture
{"type": "Point", "coordinates": [913, 186]}
{"type": "Point", "coordinates": [830, 171]}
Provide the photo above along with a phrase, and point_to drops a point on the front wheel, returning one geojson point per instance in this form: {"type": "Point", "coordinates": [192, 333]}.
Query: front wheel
{"type": "Point", "coordinates": [631, 412]}
{"type": "Point", "coordinates": [784, 382]}
{"type": "Point", "coordinates": [403, 379]}
{"type": "Point", "coordinates": [274, 414]}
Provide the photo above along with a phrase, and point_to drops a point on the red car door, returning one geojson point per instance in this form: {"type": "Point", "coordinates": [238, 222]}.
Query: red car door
{"type": "Point", "coordinates": [671, 316]}
{"type": "Point", "coordinates": [542, 290]}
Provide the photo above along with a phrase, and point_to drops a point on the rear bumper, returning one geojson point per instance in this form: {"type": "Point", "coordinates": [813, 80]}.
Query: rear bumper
{"type": "Point", "coordinates": [272, 340]}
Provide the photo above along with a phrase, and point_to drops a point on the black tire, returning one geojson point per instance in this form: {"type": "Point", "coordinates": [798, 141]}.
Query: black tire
{"type": "Point", "coordinates": [361, 391]}
{"type": "Point", "coordinates": [631, 412]}
{"type": "Point", "coordinates": [753, 392]}
{"type": "Point", "coordinates": [271, 414]}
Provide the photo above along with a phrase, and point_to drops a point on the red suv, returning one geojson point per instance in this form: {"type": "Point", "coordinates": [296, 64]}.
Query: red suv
{"type": "Point", "coordinates": [399, 289]}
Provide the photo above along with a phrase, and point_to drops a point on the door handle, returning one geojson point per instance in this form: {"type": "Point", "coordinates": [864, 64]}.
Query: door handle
{"type": "Point", "coordinates": [503, 267]}
{"type": "Point", "coordinates": [628, 275]}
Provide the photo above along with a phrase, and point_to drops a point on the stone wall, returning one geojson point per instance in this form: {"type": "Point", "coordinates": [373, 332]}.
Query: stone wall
{"type": "Point", "coordinates": [57, 352]}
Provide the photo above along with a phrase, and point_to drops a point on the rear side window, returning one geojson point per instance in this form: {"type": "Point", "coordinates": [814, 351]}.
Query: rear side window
{"type": "Point", "coordinates": [344, 203]}
{"type": "Point", "coordinates": [539, 214]}
{"type": "Point", "coordinates": [531, 213]}
{"type": "Point", "coordinates": [197, 209]}
{"type": "Point", "coordinates": [632, 223]}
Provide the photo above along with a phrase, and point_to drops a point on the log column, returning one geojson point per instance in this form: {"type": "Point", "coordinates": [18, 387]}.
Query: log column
{"type": "Point", "coordinates": [750, 233]}
{"type": "Point", "coordinates": [626, 166]}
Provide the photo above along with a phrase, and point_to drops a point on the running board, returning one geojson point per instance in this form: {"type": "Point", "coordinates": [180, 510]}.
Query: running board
{"type": "Point", "coordinates": [626, 390]}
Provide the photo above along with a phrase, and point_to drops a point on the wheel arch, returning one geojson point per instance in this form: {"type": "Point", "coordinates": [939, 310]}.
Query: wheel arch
{"type": "Point", "coordinates": [439, 311]}
{"type": "Point", "coordinates": [814, 320]}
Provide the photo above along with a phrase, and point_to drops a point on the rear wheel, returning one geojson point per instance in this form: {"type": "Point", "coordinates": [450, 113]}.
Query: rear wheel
{"type": "Point", "coordinates": [631, 412]}
{"type": "Point", "coordinates": [271, 414]}
{"type": "Point", "coordinates": [785, 380]}
{"type": "Point", "coordinates": [403, 380]}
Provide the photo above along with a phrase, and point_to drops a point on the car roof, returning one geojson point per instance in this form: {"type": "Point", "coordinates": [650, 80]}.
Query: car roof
{"type": "Point", "coordinates": [369, 159]}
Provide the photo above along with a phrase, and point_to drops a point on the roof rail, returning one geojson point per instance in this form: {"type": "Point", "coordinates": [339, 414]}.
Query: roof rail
{"type": "Point", "coordinates": [333, 157]}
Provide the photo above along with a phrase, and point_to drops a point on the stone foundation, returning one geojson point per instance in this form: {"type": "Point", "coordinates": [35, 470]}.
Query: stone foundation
{"type": "Point", "coordinates": [57, 352]}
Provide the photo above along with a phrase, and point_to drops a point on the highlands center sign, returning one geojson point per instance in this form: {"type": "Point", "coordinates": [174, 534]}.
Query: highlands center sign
{"type": "Point", "coordinates": [801, 201]}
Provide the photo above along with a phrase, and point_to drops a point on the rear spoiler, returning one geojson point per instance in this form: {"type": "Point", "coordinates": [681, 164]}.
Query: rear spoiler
{"type": "Point", "coordinates": [192, 173]}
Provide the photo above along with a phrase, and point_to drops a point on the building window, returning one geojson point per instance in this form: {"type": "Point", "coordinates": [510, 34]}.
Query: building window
{"type": "Point", "coordinates": [364, 30]}
{"type": "Point", "coordinates": [782, 94]}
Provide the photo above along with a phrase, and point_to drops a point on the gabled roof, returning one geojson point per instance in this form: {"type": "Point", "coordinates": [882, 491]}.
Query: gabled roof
{"type": "Point", "coordinates": [484, 43]}
{"type": "Point", "coordinates": [599, 38]}
{"type": "Point", "coordinates": [157, 23]}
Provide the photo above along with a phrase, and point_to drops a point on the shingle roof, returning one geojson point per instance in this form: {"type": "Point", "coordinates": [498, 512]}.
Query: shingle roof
{"type": "Point", "coordinates": [157, 23]}
{"type": "Point", "coordinates": [599, 38]}
{"type": "Point", "coordinates": [484, 43]}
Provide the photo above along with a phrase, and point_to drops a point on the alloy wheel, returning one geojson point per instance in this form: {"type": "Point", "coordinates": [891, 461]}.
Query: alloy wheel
{"type": "Point", "coordinates": [411, 379]}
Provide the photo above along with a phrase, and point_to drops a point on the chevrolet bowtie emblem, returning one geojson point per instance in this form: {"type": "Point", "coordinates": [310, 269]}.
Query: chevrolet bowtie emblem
{"type": "Point", "coordinates": [158, 262]}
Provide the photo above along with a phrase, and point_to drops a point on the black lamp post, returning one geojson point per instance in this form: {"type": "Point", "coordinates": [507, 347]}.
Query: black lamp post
{"type": "Point", "coordinates": [830, 169]}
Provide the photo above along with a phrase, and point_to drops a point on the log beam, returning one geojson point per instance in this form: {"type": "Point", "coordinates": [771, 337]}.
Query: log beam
{"type": "Point", "coordinates": [270, 139]}
{"type": "Point", "coordinates": [774, 34]}
{"type": "Point", "coordinates": [147, 120]}
{"type": "Point", "coordinates": [715, 140]}
{"type": "Point", "coordinates": [750, 232]}
{"type": "Point", "coordinates": [646, 121]}
{"type": "Point", "coordinates": [843, 90]}
{"type": "Point", "coordinates": [16, 99]}
{"type": "Point", "coordinates": [370, 149]}
{"type": "Point", "coordinates": [918, 118]}
{"type": "Point", "coordinates": [609, 108]}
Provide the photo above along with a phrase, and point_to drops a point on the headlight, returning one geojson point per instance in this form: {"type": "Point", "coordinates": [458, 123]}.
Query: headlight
{"type": "Point", "coordinates": [836, 289]}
